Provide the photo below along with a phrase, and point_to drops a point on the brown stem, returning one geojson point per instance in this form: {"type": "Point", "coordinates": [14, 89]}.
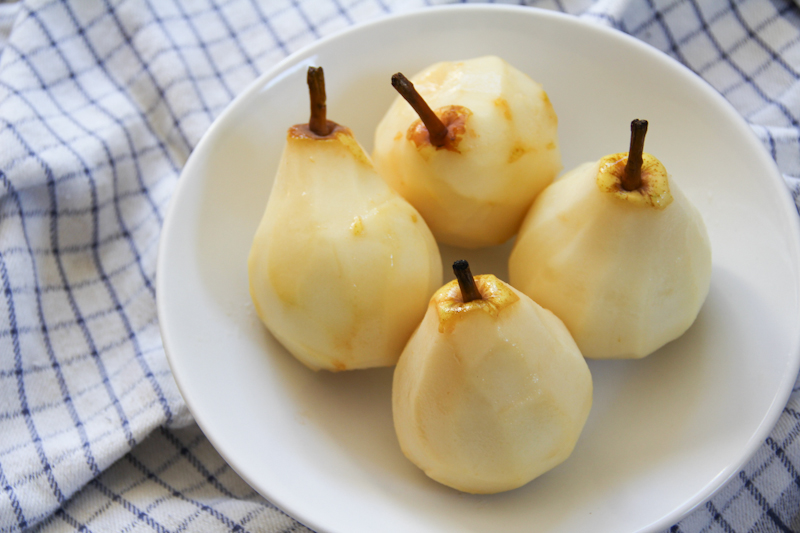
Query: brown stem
{"type": "Point", "coordinates": [318, 123]}
{"type": "Point", "coordinates": [437, 131]}
{"type": "Point", "coordinates": [632, 178]}
{"type": "Point", "coordinates": [469, 290]}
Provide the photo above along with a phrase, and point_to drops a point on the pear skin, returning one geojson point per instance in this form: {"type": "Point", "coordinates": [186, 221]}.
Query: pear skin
{"type": "Point", "coordinates": [341, 267]}
{"type": "Point", "coordinates": [491, 393]}
{"type": "Point", "coordinates": [474, 191]}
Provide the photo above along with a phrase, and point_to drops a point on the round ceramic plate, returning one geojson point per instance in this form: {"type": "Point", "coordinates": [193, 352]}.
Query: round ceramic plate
{"type": "Point", "coordinates": [664, 432]}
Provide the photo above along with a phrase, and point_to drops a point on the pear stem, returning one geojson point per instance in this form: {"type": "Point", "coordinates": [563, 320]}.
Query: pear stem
{"type": "Point", "coordinates": [632, 177]}
{"type": "Point", "coordinates": [437, 131]}
{"type": "Point", "coordinates": [469, 290]}
{"type": "Point", "coordinates": [318, 123]}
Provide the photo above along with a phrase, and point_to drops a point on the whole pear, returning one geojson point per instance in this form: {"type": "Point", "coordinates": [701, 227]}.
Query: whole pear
{"type": "Point", "coordinates": [341, 267]}
{"type": "Point", "coordinates": [490, 392]}
{"type": "Point", "coordinates": [477, 144]}
{"type": "Point", "coordinates": [623, 260]}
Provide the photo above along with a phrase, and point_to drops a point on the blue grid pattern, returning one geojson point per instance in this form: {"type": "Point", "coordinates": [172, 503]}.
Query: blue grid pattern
{"type": "Point", "coordinates": [100, 105]}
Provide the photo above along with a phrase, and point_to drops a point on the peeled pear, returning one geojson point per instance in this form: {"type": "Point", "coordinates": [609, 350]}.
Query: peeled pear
{"type": "Point", "coordinates": [341, 267]}
{"type": "Point", "coordinates": [477, 144]}
{"type": "Point", "coordinates": [490, 392]}
{"type": "Point", "coordinates": [624, 261]}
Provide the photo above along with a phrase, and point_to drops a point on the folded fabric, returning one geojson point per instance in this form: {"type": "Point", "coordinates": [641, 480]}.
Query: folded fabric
{"type": "Point", "coordinates": [100, 105]}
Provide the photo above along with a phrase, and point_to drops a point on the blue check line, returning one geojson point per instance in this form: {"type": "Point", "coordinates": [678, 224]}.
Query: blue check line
{"type": "Point", "coordinates": [73, 75]}
{"type": "Point", "coordinates": [780, 452]}
{"type": "Point", "coordinates": [647, 23]}
{"type": "Point", "coordinates": [67, 288]}
{"type": "Point", "coordinates": [111, 238]}
{"type": "Point", "coordinates": [753, 34]}
{"type": "Point", "coordinates": [179, 495]}
{"type": "Point", "coordinates": [718, 518]}
{"type": "Point", "coordinates": [159, 90]}
{"type": "Point", "coordinates": [558, 3]}
{"type": "Point", "coordinates": [71, 521]}
{"type": "Point", "coordinates": [101, 60]}
{"type": "Point", "coordinates": [22, 395]}
{"type": "Point", "coordinates": [658, 18]}
{"type": "Point", "coordinates": [51, 187]}
{"type": "Point", "coordinates": [101, 165]}
{"type": "Point", "coordinates": [54, 364]}
{"type": "Point", "coordinates": [5, 374]}
{"type": "Point", "coordinates": [78, 249]}
{"type": "Point", "coordinates": [99, 437]}
{"type": "Point", "coordinates": [309, 25]}
{"type": "Point", "coordinates": [26, 289]}
{"type": "Point", "coordinates": [186, 522]}
{"type": "Point", "coordinates": [44, 407]}
{"type": "Point", "coordinates": [140, 514]}
{"type": "Point", "coordinates": [215, 6]}
{"type": "Point", "coordinates": [724, 56]}
{"type": "Point", "coordinates": [762, 502]}
{"type": "Point", "coordinates": [343, 13]}
{"type": "Point", "coordinates": [257, 511]}
{"type": "Point", "coordinates": [66, 324]}
{"type": "Point", "coordinates": [186, 452]}
{"type": "Point", "coordinates": [91, 104]}
{"type": "Point", "coordinates": [617, 24]}
{"type": "Point", "coordinates": [22, 523]}
{"type": "Point", "coordinates": [270, 28]}
{"type": "Point", "coordinates": [67, 212]}
{"type": "Point", "coordinates": [180, 53]}
{"type": "Point", "coordinates": [85, 28]}
{"type": "Point", "coordinates": [110, 157]}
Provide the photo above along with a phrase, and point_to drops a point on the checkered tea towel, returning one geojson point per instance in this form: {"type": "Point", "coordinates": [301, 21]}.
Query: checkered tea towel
{"type": "Point", "coordinates": [101, 102]}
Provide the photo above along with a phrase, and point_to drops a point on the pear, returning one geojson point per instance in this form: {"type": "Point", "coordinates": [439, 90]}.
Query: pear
{"type": "Point", "coordinates": [475, 146]}
{"type": "Point", "coordinates": [617, 252]}
{"type": "Point", "coordinates": [341, 267]}
{"type": "Point", "coordinates": [491, 390]}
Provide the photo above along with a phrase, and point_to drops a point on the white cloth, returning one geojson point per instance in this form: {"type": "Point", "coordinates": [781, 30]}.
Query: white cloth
{"type": "Point", "coordinates": [100, 105]}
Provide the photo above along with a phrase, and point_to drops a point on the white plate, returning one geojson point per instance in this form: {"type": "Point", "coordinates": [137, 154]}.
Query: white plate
{"type": "Point", "coordinates": [664, 432]}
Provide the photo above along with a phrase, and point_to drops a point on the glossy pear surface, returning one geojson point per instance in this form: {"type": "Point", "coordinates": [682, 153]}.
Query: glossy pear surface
{"type": "Point", "coordinates": [477, 193]}
{"type": "Point", "coordinates": [341, 267]}
{"type": "Point", "coordinates": [627, 271]}
{"type": "Point", "coordinates": [491, 393]}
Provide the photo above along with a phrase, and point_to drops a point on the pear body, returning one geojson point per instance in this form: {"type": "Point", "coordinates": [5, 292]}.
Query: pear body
{"type": "Point", "coordinates": [477, 194]}
{"type": "Point", "coordinates": [625, 278]}
{"type": "Point", "coordinates": [486, 399]}
{"type": "Point", "coordinates": [341, 267]}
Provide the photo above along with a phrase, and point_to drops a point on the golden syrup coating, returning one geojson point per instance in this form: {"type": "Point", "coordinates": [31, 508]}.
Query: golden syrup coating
{"type": "Point", "coordinates": [654, 191]}
{"type": "Point", "coordinates": [450, 306]}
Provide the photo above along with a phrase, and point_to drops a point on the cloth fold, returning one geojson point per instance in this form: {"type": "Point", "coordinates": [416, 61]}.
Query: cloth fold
{"type": "Point", "coordinates": [101, 104]}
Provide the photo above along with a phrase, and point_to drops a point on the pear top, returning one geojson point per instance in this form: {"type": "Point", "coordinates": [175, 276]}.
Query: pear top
{"type": "Point", "coordinates": [466, 281]}
{"type": "Point", "coordinates": [443, 128]}
{"type": "Point", "coordinates": [340, 137]}
{"type": "Point", "coordinates": [495, 296]}
{"type": "Point", "coordinates": [318, 122]}
{"type": "Point", "coordinates": [635, 176]}
{"type": "Point", "coordinates": [318, 126]}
